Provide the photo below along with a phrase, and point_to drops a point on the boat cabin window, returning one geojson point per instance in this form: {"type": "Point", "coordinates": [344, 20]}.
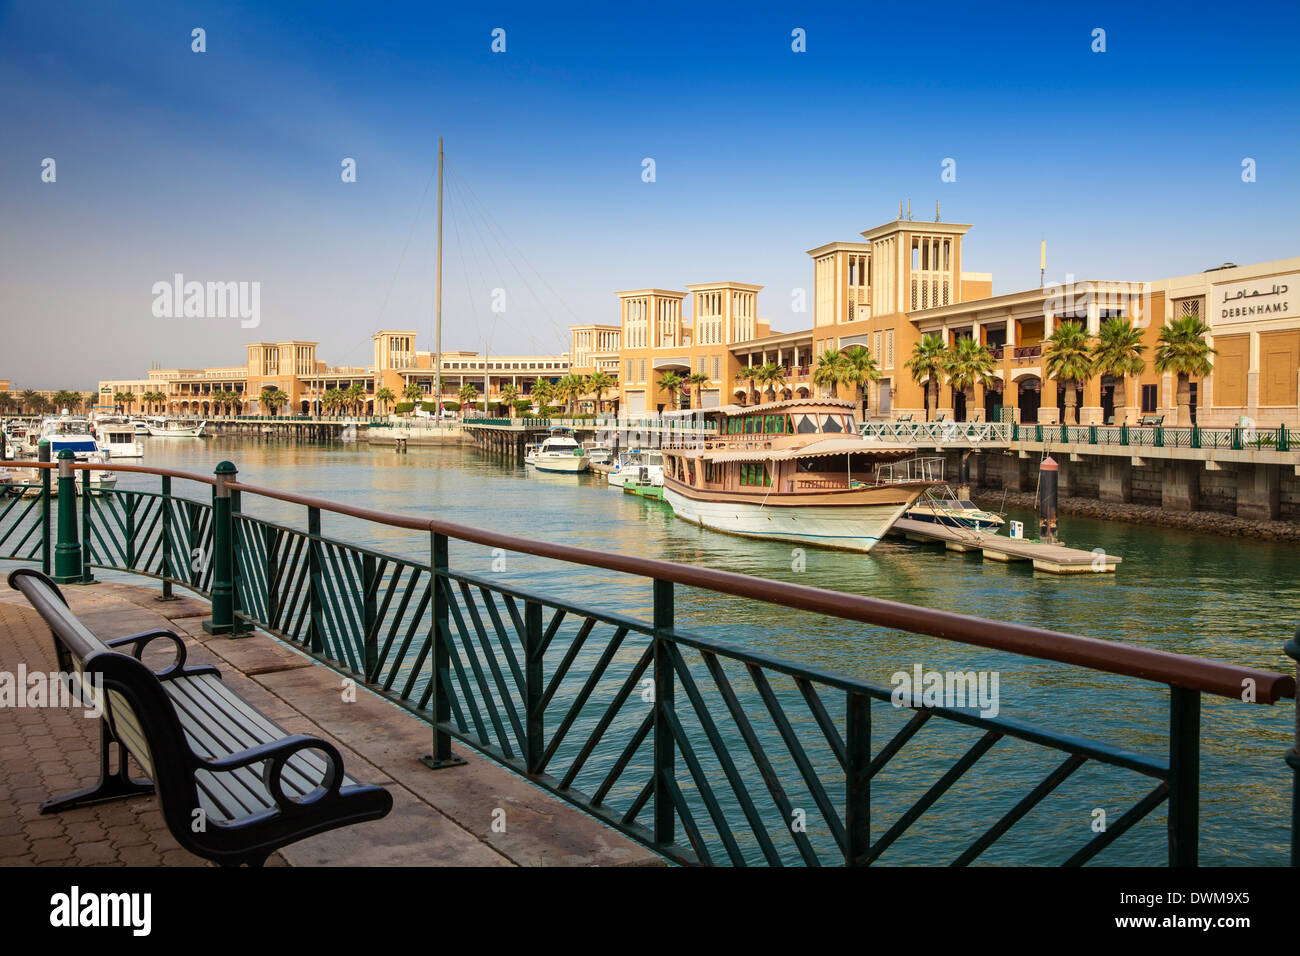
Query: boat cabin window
{"type": "Point", "coordinates": [805, 424]}
{"type": "Point", "coordinates": [760, 425]}
{"type": "Point", "coordinates": [713, 473]}
{"type": "Point", "coordinates": [690, 472]}
{"type": "Point", "coordinates": [754, 473]}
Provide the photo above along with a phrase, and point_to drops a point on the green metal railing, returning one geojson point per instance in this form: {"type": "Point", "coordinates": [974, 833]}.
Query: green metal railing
{"type": "Point", "coordinates": [705, 750]}
{"type": "Point", "coordinates": [1236, 438]}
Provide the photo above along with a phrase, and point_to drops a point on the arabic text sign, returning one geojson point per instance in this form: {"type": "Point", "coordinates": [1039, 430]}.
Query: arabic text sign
{"type": "Point", "coordinates": [1256, 300]}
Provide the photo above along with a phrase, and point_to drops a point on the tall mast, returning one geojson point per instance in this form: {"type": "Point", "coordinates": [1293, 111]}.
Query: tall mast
{"type": "Point", "coordinates": [437, 329]}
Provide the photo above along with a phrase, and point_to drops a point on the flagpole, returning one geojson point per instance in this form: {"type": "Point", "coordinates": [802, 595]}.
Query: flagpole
{"type": "Point", "coordinates": [437, 333]}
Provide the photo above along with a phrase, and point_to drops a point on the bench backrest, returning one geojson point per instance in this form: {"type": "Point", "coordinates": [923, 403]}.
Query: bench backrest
{"type": "Point", "coordinates": [135, 706]}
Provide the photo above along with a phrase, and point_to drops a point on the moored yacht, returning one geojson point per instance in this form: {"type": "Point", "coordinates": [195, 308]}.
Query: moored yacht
{"type": "Point", "coordinates": [561, 452]}
{"type": "Point", "coordinates": [176, 429]}
{"type": "Point", "coordinates": [117, 439]}
{"type": "Point", "coordinates": [795, 470]}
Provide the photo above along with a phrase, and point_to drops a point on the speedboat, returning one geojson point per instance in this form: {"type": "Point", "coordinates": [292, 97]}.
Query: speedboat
{"type": "Point", "coordinates": [953, 512]}
{"type": "Point", "coordinates": [561, 453]}
{"type": "Point", "coordinates": [798, 471]}
{"type": "Point", "coordinates": [530, 452]}
{"type": "Point", "coordinates": [636, 464]}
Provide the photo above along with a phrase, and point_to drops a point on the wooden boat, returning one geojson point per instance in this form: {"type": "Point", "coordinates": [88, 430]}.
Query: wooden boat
{"type": "Point", "coordinates": [796, 471]}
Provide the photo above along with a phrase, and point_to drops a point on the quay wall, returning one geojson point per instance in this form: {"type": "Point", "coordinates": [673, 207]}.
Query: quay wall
{"type": "Point", "coordinates": [1239, 498]}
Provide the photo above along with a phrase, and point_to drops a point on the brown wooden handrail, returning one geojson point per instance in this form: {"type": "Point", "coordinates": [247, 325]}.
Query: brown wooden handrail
{"type": "Point", "coordinates": [1192, 673]}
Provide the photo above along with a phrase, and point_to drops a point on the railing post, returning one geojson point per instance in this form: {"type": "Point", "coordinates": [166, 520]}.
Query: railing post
{"type": "Point", "coordinates": [1184, 775]}
{"type": "Point", "coordinates": [86, 576]}
{"type": "Point", "coordinates": [369, 612]}
{"type": "Point", "coordinates": [223, 555]}
{"type": "Point", "coordinates": [533, 686]}
{"type": "Point", "coordinates": [271, 540]}
{"type": "Point", "coordinates": [167, 570]}
{"type": "Point", "coordinates": [315, 630]}
{"type": "Point", "coordinates": [857, 794]}
{"type": "Point", "coordinates": [1292, 649]}
{"type": "Point", "coordinates": [664, 748]}
{"type": "Point", "coordinates": [442, 756]}
{"type": "Point", "coordinates": [1283, 443]}
{"type": "Point", "coordinates": [43, 454]}
{"type": "Point", "coordinates": [67, 550]}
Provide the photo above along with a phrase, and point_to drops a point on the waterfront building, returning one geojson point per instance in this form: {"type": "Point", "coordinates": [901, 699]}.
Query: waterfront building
{"type": "Point", "coordinates": [904, 280]}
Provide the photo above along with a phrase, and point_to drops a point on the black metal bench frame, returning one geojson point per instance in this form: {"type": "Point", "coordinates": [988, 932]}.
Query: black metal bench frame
{"type": "Point", "coordinates": [171, 760]}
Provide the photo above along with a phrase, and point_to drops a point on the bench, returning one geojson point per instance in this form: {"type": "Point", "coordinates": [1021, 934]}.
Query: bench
{"type": "Point", "coordinates": [1150, 421]}
{"type": "Point", "coordinates": [234, 787]}
{"type": "Point", "coordinates": [904, 418]}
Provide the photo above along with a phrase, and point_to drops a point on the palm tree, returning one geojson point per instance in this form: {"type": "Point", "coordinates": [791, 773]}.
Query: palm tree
{"type": "Point", "coordinates": [771, 375]}
{"type": "Point", "coordinates": [1118, 353]}
{"type": "Point", "coordinates": [32, 401]}
{"type": "Point", "coordinates": [1067, 357]}
{"type": "Point", "coordinates": [860, 367]}
{"type": "Point", "coordinates": [468, 396]}
{"type": "Point", "coordinates": [542, 391]}
{"type": "Point", "coordinates": [671, 383]}
{"type": "Point", "coordinates": [928, 362]}
{"type": "Point", "coordinates": [697, 381]}
{"type": "Point", "coordinates": [751, 373]}
{"type": "Point", "coordinates": [274, 398]}
{"type": "Point", "coordinates": [599, 383]}
{"type": "Point", "coordinates": [970, 364]}
{"type": "Point", "coordinates": [65, 399]}
{"type": "Point", "coordinates": [509, 395]}
{"type": "Point", "coordinates": [332, 401]}
{"type": "Point", "coordinates": [356, 397]}
{"type": "Point", "coordinates": [7, 402]}
{"type": "Point", "coordinates": [570, 388]}
{"type": "Point", "coordinates": [830, 371]}
{"type": "Point", "coordinates": [1182, 349]}
{"type": "Point", "coordinates": [385, 396]}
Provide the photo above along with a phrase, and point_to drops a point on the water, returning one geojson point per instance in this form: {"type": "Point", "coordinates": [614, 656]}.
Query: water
{"type": "Point", "coordinates": [1225, 598]}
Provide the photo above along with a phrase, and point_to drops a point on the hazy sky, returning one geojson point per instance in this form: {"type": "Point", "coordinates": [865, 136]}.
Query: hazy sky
{"type": "Point", "coordinates": [225, 165]}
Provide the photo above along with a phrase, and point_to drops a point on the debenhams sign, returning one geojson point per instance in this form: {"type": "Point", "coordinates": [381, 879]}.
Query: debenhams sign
{"type": "Point", "coordinates": [1256, 299]}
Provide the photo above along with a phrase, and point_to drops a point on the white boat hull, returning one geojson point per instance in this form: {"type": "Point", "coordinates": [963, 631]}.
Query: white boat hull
{"type": "Point", "coordinates": [194, 431]}
{"type": "Point", "coordinates": [845, 527]}
{"type": "Point", "coordinates": [567, 464]}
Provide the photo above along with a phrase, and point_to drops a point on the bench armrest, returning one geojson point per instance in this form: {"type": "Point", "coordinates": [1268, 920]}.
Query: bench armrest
{"type": "Point", "coordinates": [275, 755]}
{"type": "Point", "coordinates": [138, 642]}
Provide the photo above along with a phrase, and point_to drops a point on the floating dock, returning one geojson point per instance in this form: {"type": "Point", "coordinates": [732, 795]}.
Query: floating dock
{"type": "Point", "coordinates": [1053, 558]}
{"type": "Point", "coordinates": [655, 492]}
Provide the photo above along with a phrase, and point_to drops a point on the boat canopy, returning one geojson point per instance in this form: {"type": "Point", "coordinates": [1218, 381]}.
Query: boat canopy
{"type": "Point", "coordinates": [817, 449]}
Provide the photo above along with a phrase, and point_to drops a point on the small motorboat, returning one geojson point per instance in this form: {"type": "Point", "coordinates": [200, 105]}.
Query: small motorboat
{"type": "Point", "coordinates": [953, 512]}
{"type": "Point", "coordinates": [639, 466]}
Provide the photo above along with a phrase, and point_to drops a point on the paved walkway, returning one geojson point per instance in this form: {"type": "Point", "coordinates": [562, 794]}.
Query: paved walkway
{"type": "Point", "coordinates": [439, 818]}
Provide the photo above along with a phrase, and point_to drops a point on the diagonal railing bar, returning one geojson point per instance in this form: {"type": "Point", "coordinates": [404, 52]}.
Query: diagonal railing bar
{"type": "Point", "coordinates": [824, 721]}
{"type": "Point", "coordinates": [615, 772]}
{"type": "Point", "coordinates": [411, 575]}
{"type": "Point", "coordinates": [413, 586]}
{"type": "Point", "coordinates": [485, 701]}
{"type": "Point", "coordinates": [504, 639]}
{"type": "Point", "coordinates": [489, 655]}
{"type": "Point", "coordinates": [294, 612]}
{"type": "Point", "coordinates": [639, 802]}
{"type": "Point", "coordinates": [830, 813]}
{"type": "Point", "coordinates": [898, 741]}
{"type": "Point", "coordinates": [693, 835]}
{"type": "Point", "coordinates": [702, 787]}
{"type": "Point", "coordinates": [32, 511]}
{"type": "Point", "coordinates": [556, 620]}
{"type": "Point", "coordinates": [513, 608]}
{"type": "Point", "coordinates": [940, 787]}
{"type": "Point", "coordinates": [1013, 816]}
{"type": "Point", "coordinates": [447, 636]}
{"type": "Point", "coordinates": [770, 777]}
{"type": "Point", "coordinates": [562, 669]}
{"type": "Point", "coordinates": [345, 588]}
{"type": "Point", "coordinates": [602, 725]}
{"type": "Point", "coordinates": [1120, 826]}
{"type": "Point", "coordinates": [733, 775]}
{"type": "Point", "coordinates": [580, 701]}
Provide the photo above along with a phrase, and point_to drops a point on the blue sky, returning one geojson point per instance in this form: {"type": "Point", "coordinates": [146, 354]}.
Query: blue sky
{"type": "Point", "coordinates": [225, 165]}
